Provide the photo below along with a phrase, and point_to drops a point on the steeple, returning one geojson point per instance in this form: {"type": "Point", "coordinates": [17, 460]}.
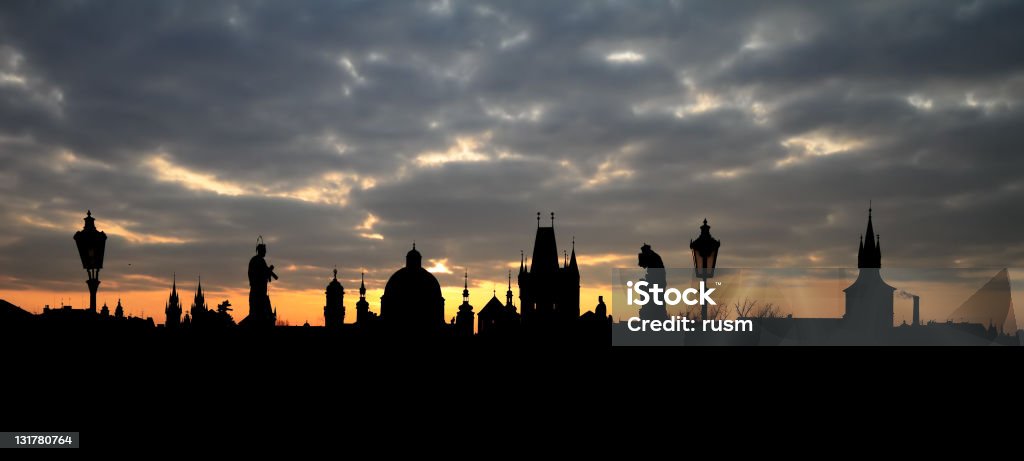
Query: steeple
{"type": "Point", "coordinates": [573, 267]}
{"type": "Point", "coordinates": [173, 307]}
{"type": "Point", "coordinates": [200, 298]}
{"type": "Point", "coordinates": [362, 307]}
{"type": "Point", "coordinates": [869, 253]}
{"type": "Point", "coordinates": [508, 294]}
{"type": "Point", "coordinates": [199, 303]}
{"type": "Point", "coordinates": [464, 318]}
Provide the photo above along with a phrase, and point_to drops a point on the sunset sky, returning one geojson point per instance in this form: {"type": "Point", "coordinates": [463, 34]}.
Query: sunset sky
{"type": "Point", "coordinates": [342, 131]}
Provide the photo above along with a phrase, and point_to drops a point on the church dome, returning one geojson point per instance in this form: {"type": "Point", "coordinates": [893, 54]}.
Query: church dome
{"type": "Point", "coordinates": [412, 296]}
{"type": "Point", "coordinates": [413, 282]}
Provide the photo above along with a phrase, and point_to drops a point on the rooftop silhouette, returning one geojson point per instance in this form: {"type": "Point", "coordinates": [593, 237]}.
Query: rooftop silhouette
{"type": "Point", "coordinates": [548, 311]}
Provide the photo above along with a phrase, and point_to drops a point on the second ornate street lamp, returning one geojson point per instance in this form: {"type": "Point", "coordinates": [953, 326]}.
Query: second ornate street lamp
{"type": "Point", "coordinates": [91, 243]}
{"type": "Point", "coordinates": [705, 255]}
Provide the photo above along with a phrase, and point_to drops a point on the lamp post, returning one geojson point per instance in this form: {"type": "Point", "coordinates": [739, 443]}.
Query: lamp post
{"type": "Point", "coordinates": [705, 255]}
{"type": "Point", "coordinates": [90, 243]}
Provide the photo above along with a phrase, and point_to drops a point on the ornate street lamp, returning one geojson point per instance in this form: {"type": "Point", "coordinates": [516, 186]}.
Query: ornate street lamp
{"type": "Point", "coordinates": [705, 255]}
{"type": "Point", "coordinates": [91, 243]}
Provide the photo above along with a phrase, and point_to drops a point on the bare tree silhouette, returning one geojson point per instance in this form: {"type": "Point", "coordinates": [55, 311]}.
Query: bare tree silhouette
{"type": "Point", "coordinates": [749, 309]}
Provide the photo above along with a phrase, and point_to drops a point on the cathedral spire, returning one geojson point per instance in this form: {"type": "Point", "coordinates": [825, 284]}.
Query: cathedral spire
{"type": "Point", "coordinates": [465, 287]}
{"type": "Point", "coordinates": [573, 267]}
{"type": "Point", "coordinates": [362, 285]}
{"type": "Point", "coordinates": [869, 252]}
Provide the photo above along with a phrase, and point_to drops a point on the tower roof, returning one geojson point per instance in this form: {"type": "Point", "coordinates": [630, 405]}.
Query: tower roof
{"type": "Point", "coordinates": [545, 251]}
{"type": "Point", "coordinates": [335, 285]}
{"type": "Point", "coordinates": [573, 267]}
{"type": "Point", "coordinates": [869, 252]}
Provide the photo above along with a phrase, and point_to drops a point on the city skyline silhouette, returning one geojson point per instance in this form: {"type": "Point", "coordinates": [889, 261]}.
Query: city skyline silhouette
{"type": "Point", "coordinates": [413, 308]}
{"type": "Point", "coordinates": [343, 132]}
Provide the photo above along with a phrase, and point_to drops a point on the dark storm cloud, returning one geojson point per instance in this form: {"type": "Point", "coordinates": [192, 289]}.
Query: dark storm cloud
{"type": "Point", "coordinates": [198, 126]}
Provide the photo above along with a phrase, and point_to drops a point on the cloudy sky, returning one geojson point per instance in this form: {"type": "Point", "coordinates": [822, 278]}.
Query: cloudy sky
{"type": "Point", "coordinates": [342, 131]}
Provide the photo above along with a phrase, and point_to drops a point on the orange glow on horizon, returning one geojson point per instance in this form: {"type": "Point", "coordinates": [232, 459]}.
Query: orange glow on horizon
{"type": "Point", "coordinates": [294, 307]}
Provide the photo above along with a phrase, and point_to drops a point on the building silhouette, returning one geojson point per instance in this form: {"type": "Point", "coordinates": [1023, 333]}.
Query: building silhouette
{"type": "Point", "coordinates": [334, 310]}
{"type": "Point", "coordinates": [412, 306]}
{"type": "Point", "coordinates": [173, 307]}
{"type": "Point", "coordinates": [497, 320]}
{"type": "Point", "coordinates": [464, 318]}
{"type": "Point", "coordinates": [364, 318]}
{"type": "Point", "coordinates": [549, 294]}
{"type": "Point", "coordinates": [199, 310]}
{"type": "Point", "coordinates": [869, 300]}
{"type": "Point", "coordinates": [412, 302]}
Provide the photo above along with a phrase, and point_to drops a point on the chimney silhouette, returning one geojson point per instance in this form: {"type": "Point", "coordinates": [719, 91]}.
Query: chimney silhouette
{"type": "Point", "coordinates": [917, 310]}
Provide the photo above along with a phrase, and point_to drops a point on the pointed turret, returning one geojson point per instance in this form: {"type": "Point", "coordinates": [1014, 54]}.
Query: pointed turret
{"type": "Point", "coordinates": [199, 307]}
{"type": "Point", "coordinates": [869, 252]}
{"type": "Point", "coordinates": [173, 307]}
{"type": "Point", "coordinates": [574, 269]}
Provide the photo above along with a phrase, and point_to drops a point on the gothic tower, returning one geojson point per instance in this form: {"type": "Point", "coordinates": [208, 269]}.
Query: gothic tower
{"type": "Point", "coordinates": [199, 308]}
{"type": "Point", "coordinates": [173, 306]}
{"type": "Point", "coordinates": [549, 295]}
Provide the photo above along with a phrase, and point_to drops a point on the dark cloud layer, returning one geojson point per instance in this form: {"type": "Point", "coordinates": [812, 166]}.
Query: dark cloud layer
{"type": "Point", "coordinates": [196, 126]}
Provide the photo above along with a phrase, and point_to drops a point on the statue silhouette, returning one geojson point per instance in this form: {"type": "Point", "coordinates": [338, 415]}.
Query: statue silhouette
{"type": "Point", "coordinates": [260, 275]}
{"type": "Point", "coordinates": [651, 261]}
